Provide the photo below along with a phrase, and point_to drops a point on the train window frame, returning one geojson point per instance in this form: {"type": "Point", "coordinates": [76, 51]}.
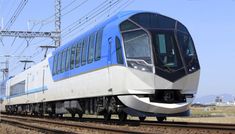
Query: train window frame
{"type": "Point", "coordinates": [55, 59]}
{"type": "Point", "coordinates": [98, 44]}
{"type": "Point", "coordinates": [84, 51]}
{"type": "Point", "coordinates": [63, 61]}
{"type": "Point", "coordinates": [59, 62]}
{"type": "Point", "coordinates": [78, 54]}
{"type": "Point", "coordinates": [91, 50]}
{"type": "Point", "coordinates": [148, 39]}
{"type": "Point", "coordinates": [72, 57]}
{"type": "Point", "coordinates": [119, 51]}
{"type": "Point", "coordinates": [67, 60]}
{"type": "Point", "coordinates": [129, 22]}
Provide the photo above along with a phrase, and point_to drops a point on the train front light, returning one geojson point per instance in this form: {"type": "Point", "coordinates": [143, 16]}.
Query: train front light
{"type": "Point", "coordinates": [139, 65]}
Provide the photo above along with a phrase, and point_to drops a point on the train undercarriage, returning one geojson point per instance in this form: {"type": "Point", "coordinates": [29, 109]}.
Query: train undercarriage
{"type": "Point", "coordinates": [106, 106]}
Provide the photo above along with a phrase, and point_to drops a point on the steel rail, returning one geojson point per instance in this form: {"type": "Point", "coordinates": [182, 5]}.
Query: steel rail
{"type": "Point", "coordinates": [78, 125]}
{"type": "Point", "coordinates": [220, 126]}
{"type": "Point", "coordinates": [33, 127]}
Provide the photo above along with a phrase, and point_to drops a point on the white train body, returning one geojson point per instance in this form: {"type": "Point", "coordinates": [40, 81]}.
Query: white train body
{"type": "Point", "coordinates": [139, 92]}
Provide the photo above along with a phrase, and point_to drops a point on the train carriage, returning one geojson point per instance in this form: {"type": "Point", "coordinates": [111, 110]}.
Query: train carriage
{"type": "Point", "coordinates": [138, 63]}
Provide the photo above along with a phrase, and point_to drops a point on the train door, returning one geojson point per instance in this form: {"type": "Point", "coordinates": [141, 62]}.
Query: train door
{"type": "Point", "coordinates": [109, 60]}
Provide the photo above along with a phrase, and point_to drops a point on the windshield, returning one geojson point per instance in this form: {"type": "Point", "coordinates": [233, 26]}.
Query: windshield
{"type": "Point", "coordinates": [166, 48]}
{"type": "Point", "coordinates": [188, 51]}
{"type": "Point", "coordinates": [167, 53]}
{"type": "Point", "coordinates": [137, 45]}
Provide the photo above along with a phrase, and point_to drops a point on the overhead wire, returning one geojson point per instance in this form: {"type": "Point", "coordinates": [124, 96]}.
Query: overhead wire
{"type": "Point", "coordinates": [16, 14]}
{"type": "Point", "coordinates": [91, 17]}
{"type": "Point", "coordinates": [121, 7]}
{"type": "Point", "coordinates": [76, 7]}
{"type": "Point", "coordinates": [50, 19]}
{"type": "Point", "coordinates": [103, 4]}
{"type": "Point", "coordinates": [13, 41]}
{"type": "Point", "coordinates": [86, 18]}
{"type": "Point", "coordinates": [68, 5]}
{"type": "Point", "coordinates": [12, 6]}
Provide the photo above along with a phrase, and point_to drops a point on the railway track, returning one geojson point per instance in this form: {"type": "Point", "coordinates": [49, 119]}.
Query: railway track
{"type": "Point", "coordinates": [132, 126]}
{"type": "Point", "coordinates": [48, 126]}
{"type": "Point", "coordinates": [217, 126]}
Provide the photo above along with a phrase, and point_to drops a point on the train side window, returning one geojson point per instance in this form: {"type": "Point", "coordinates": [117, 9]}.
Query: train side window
{"type": "Point", "coordinates": [98, 44]}
{"type": "Point", "coordinates": [59, 62]}
{"type": "Point", "coordinates": [119, 51]}
{"type": "Point", "coordinates": [72, 55]}
{"type": "Point", "coordinates": [63, 61]}
{"type": "Point", "coordinates": [84, 51]}
{"type": "Point", "coordinates": [55, 64]}
{"type": "Point", "coordinates": [78, 54]}
{"type": "Point", "coordinates": [67, 59]}
{"type": "Point", "coordinates": [91, 48]}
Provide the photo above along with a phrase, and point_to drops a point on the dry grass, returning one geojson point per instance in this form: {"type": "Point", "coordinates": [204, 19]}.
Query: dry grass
{"type": "Point", "coordinates": [213, 111]}
{"type": "Point", "coordinates": [211, 114]}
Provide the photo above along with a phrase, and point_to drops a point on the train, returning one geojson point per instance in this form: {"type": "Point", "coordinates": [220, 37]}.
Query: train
{"type": "Point", "coordinates": [136, 63]}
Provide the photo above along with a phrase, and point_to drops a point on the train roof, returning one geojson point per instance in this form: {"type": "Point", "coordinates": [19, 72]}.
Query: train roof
{"type": "Point", "coordinates": [119, 17]}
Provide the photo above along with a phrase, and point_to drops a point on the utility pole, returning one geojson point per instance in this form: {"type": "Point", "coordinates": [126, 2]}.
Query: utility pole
{"type": "Point", "coordinates": [55, 35]}
{"type": "Point", "coordinates": [5, 70]}
{"type": "Point", "coordinates": [58, 22]}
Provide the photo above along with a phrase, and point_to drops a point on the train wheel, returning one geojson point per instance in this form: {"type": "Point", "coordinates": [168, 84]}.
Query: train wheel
{"type": "Point", "coordinates": [122, 116]}
{"type": "Point", "coordinates": [142, 118]}
{"type": "Point", "coordinates": [50, 115]}
{"type": "Point", "coordinates": [107, 116]}
{"type": "Point", "coordinates": [80, 116]}
{"type": "Point", "coordinates": [73, 115]}
{"type": "Point", "coordinates": [161, 119]}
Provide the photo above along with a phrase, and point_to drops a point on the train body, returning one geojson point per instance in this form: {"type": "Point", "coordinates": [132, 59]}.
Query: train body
{"type": "Point", "coordinates": [137, 63]}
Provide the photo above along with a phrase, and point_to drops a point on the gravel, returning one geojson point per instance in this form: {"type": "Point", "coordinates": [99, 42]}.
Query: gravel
{"type": "Point", "coordinates": [9, 129]}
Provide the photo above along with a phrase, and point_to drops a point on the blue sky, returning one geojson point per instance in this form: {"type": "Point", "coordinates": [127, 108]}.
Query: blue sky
{"type": "Point", "coordinates": [210, 22]}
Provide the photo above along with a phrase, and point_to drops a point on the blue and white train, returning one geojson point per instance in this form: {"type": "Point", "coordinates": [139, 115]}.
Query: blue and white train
{"type": "Point", "coordinates": [137, 63]}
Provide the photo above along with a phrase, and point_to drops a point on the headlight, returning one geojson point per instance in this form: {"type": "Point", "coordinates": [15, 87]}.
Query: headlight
{"type": "Point", "coordinates": [140, 65]}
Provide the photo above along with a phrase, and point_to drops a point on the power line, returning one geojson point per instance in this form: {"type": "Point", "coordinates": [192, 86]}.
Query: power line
{"type": "Point", "coordinates": [76, 7]}
{"type": "Point", "coordinates": [16, 14]}
{"type": "Point", "coordinates": [102, 5]}
{"type": "Point", "coordinates": [50, 19]}
{"type": "Point", "coordinates": [100, 11]}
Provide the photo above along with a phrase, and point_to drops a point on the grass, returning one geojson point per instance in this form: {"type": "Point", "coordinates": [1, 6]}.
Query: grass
{"type": "Point", "coordinates": [213, 111]}
{"type": "Point", "coordinates": [210, 114]}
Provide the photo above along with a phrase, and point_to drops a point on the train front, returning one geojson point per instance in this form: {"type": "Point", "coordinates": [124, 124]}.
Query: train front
{"type": "Point", "coordinates": [164, 68]}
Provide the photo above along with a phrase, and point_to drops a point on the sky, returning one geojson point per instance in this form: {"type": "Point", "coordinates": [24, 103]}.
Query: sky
{"type": "Point", "coordinates": [210, 22]}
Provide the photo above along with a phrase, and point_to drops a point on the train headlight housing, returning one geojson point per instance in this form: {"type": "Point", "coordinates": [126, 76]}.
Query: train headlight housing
{"type": "Point", "coordinates": [139, 65]}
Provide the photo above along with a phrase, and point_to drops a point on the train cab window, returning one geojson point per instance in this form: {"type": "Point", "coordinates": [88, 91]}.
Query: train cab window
{"type": "Point", "coordinates": [55, 58]}
{"type": "Point", "coordinates": [91, 48]}
{"type": "Point", "coordinates": [67, 59]}
{"type": "Point", "coordinates": [137, 46]}
{"type": "Point", "coordinates": [59, 62]}
{"type": "Point", "coordinates": [98, 44]}
{"type": "Point", "coordinates": [181, 27]}
{"type": "Point", "coordinates": [78, 54]}
{"type": "Point", "coordinates": [119, 51]}
{"type": "Point", "coordinates": [154, 21]}
{"type": "Point", "coordinates": [63, 61]}
{"type": "Point", "coordinates": [84, 51]}
{"type": "Point", "coordinates": [72, 55]}
{"type": "Point", "coordinates": [128, 25]}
